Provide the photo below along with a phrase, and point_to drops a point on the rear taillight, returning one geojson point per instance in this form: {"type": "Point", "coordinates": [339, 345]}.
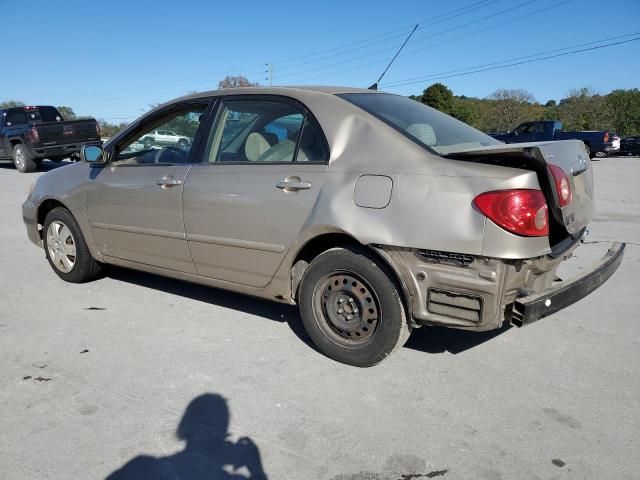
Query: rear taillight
{"type": "Point", "coordinates": [563, 186]}
{"type": "Point", "coordinates": [35, 136]}
{"type": "Point", "coordinates": [523, 212]}
{"type": "Point", "coordinates": [606, 137]}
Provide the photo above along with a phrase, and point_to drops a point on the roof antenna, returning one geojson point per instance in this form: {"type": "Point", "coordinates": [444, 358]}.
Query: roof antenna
{"type": "Point", "coordinates": [375, 85]}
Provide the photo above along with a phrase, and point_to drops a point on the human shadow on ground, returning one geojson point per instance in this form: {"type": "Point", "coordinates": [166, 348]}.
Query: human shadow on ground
{"type": "Point", "coordinates": [209, 453]}
{"type": "Point", "coordinates": [425, 339]}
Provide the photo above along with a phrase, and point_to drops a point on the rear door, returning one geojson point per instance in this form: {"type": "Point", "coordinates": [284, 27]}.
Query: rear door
{"type": "Point", "coordinates": [246, 203]}
{"type": "Point", "coordinates": [134, 204]}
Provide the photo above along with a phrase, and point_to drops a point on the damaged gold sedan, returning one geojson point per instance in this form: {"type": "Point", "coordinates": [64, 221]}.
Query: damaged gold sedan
{"type": "Point", "coordinates": [372, 212]}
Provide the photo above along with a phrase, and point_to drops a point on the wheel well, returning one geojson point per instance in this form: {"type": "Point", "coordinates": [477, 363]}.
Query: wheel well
{"type": "Point", "coordinates": [46, 207]}
{"type": "Point", "coordinates": [15, 142]}
{"type": "Point", "coordinates": [322, 243]}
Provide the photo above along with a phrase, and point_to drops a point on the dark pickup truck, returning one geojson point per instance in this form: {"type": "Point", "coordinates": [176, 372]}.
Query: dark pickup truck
{"type": "Point", "coordinates": [30, 134]}
{"type": "Point", "coordinates": [596, 141]}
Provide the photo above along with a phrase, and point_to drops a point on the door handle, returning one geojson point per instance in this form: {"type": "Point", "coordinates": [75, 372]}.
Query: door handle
{"type": "Point", "coordinates": [293, 184]}
{"type": "Point", "coordinates": [168, 181]}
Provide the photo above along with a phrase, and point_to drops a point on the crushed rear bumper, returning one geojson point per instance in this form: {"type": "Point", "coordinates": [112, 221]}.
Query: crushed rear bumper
{"type": "Point", "coordinates": [529, 308]}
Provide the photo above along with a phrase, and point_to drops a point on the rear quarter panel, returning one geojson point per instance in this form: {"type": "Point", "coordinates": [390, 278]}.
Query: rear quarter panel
{"type": "Point", "coordinates": [431, 200]}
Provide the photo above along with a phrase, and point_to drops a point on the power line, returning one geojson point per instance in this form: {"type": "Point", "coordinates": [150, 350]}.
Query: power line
{"type": "Point", "coordinates": [438, 75]}
{"type": "Point", "coordinates": [444, 17]}
{"type": "Point", "coordinates": [403, 32]}
{"type": "Point", "coordinates": [521, 62]}
{"type": "Point", "coordinates": [419, 39]}
{"type": "Point", "coordinates": [421, 49]}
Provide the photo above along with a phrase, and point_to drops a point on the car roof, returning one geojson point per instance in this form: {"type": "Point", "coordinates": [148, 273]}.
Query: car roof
{"type": "Point", "coordinates": [288, 90]}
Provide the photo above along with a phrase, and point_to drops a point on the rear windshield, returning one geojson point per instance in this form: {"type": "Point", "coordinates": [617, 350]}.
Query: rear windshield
{"type": "Point", "coordinates": [18, 116]}
{"type": "Point", "coordinates": [424, 125]}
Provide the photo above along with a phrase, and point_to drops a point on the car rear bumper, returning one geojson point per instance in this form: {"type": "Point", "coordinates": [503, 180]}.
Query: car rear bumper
{"type": "Point", "coordinates": [30, 218]}
{"type": "Point", "coordinates": [532, 307]}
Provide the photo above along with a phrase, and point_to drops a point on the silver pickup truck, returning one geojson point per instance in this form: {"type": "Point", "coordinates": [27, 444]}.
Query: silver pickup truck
{"type": "Point", "coordinates": [372, 212]}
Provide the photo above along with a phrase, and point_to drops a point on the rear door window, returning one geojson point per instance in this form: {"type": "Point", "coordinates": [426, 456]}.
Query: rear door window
{"type": "Point", "coordinates": [265, 131]}
{"type": "Point", "coordinates": [16, 117]}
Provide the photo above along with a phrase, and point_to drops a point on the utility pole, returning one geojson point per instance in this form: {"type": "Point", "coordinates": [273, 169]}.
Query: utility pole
{"type": "Point", "coordinates": [269, 72]}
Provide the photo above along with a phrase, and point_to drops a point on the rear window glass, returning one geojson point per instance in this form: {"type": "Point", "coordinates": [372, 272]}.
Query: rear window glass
{"type": "Point", "coordinates": [424, 125]}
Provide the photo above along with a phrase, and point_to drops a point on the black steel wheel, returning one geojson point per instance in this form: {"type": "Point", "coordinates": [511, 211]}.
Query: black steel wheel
{"type": "Point", "coordinates": [352, 308]}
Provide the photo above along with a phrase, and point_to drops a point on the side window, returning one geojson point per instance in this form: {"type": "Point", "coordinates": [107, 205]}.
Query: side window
{"type": "Point", "coordinates": [16, 117]}
{"type": "Point", "coordinates": [261, 131]}
{"type": "Point", "coordinates": [313, 147]}
{"type": "Point", "coordinates": [154, 144]}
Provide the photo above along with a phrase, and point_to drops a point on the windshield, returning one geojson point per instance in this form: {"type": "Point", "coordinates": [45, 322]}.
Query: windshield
{"type": "Point", "coordinates": [424, 125]}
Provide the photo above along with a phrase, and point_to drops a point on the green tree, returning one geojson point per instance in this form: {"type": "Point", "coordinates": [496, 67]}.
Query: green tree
{"type": "Point", "coordinates": [11, 104]}
{"type": "Point", "coordinates": [624, 109]}
{"type": "Point", "coordinates": [511, 107]}
{"type": "Point", "coordinates": [231, 81]}
{"type": "Point", "coordinates": [438, 96]}
{"type": "Point", "coordinates": [67, 113]}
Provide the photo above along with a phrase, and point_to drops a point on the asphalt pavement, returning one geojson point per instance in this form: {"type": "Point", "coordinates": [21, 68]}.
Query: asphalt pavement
{"type": "Point", "coordinates": [135, 374]}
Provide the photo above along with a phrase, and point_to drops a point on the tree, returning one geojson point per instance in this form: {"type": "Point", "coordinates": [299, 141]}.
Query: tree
{"type": "Point", "coordinates": [512, 107]}
{"type": "Point", "coordinates": [11, 104]}
{"type": "Point", "coordinates": [438, 96]}
{"type": "Point", "coordinates": [67, 113]}
{"type": "Point", "coordinates": [231, 81]}
{"type": "Point", "coordinates": [624, 109]}
{"type": "Point", "coordinates": [584, 109]}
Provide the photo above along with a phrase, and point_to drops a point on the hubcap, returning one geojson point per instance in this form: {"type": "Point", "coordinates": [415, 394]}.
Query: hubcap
{"type": "Point", "coordinates": [61, 246]}
{"type": "Point", "coordinates": [19, 158]}
{"type": "Point", "coordinates": [350, 308]}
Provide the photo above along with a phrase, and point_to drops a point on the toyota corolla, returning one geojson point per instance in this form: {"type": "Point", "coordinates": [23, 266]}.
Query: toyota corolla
{"type": "Point", "coordinates": [372, 212]}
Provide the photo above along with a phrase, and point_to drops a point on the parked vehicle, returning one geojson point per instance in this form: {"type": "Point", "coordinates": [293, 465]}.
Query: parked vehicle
{"type": "Point", "coordinates": [596, 141]}
{"type": "Point", "coordinates": [164, 138]}
{"type": "Point", "coordinates": [630, 146]}
{"type": "Point", "coordinates": [28, 135]}
{"type": "Point", "coordinates": [374, 213]}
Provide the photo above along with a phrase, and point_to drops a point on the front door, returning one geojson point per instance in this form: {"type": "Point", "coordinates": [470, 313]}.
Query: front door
{"type": "Point", "coordinates": [134, 203]}
{"type": "Point", "coordinates": [246, 203]}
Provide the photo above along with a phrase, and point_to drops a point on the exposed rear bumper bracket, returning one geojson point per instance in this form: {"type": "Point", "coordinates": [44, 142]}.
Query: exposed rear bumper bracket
{"type": "Point", "coordinates": [533, 307]}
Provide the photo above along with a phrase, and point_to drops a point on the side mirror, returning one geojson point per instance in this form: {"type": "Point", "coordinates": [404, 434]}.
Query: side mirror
{"type": "Point", "coordinates": [93, 154]}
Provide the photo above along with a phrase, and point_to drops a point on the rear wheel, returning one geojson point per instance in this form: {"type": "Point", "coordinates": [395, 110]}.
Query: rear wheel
{"type": "Point", "coordinates": [65, 248]}
{"type": "Point", "coordinates": [22, 159]}
{"type": "Point", "coordinates": [352, 308]}
{"type": "Point", "coordinates": [182, 143]}
{"type": "Point", "coordinates": [147, 143]}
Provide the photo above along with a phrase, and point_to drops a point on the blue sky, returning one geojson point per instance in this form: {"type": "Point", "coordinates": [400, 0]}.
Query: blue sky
{"type": "Point", "coordinates": [113, 59]}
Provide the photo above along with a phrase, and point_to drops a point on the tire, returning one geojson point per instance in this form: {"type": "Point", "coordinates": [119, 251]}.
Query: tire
{"type": "Point", "coordinates": [588, 149]}
{"type": "Point", "coordinates": [22, 159]}
{"type": "Point", "coordinates": [342, 283]}
{"type": "Point", "coordinates": [182, 143]}
{"type": "Point", "coordinates": [66, 250]}
{"type": "Point", "coordinates": [147, 143]}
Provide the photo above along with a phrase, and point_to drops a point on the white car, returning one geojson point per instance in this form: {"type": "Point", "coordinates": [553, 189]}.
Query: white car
{"type": "Point", "coordinates": [165, 138]}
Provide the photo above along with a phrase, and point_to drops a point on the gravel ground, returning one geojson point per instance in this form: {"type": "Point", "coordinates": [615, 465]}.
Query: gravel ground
{"type": "Point", "coordinates": [135, 373]}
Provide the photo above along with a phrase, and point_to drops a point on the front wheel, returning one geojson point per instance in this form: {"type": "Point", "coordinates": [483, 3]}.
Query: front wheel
{"type": "Point", "coordinates": [352, 308]}
{"type": "Point", "coordinates": [65, 248]}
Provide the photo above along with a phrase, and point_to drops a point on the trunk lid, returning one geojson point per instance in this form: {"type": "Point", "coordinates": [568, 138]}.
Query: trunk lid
{"type": "Point", "coordinates": [570, 155]}
{"type": "Point", "coordinates": [71, 131]}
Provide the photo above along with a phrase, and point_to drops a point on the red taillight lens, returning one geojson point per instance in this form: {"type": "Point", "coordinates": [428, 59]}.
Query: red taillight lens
{"type": "Point", "coordinates": [523, 212]}
{"type": "Point", "coordinates": [563, 187]}
{"type": "Point", "coordinates": [35, 136]}
{"type": "Point", "coordinates": [606, 137]}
